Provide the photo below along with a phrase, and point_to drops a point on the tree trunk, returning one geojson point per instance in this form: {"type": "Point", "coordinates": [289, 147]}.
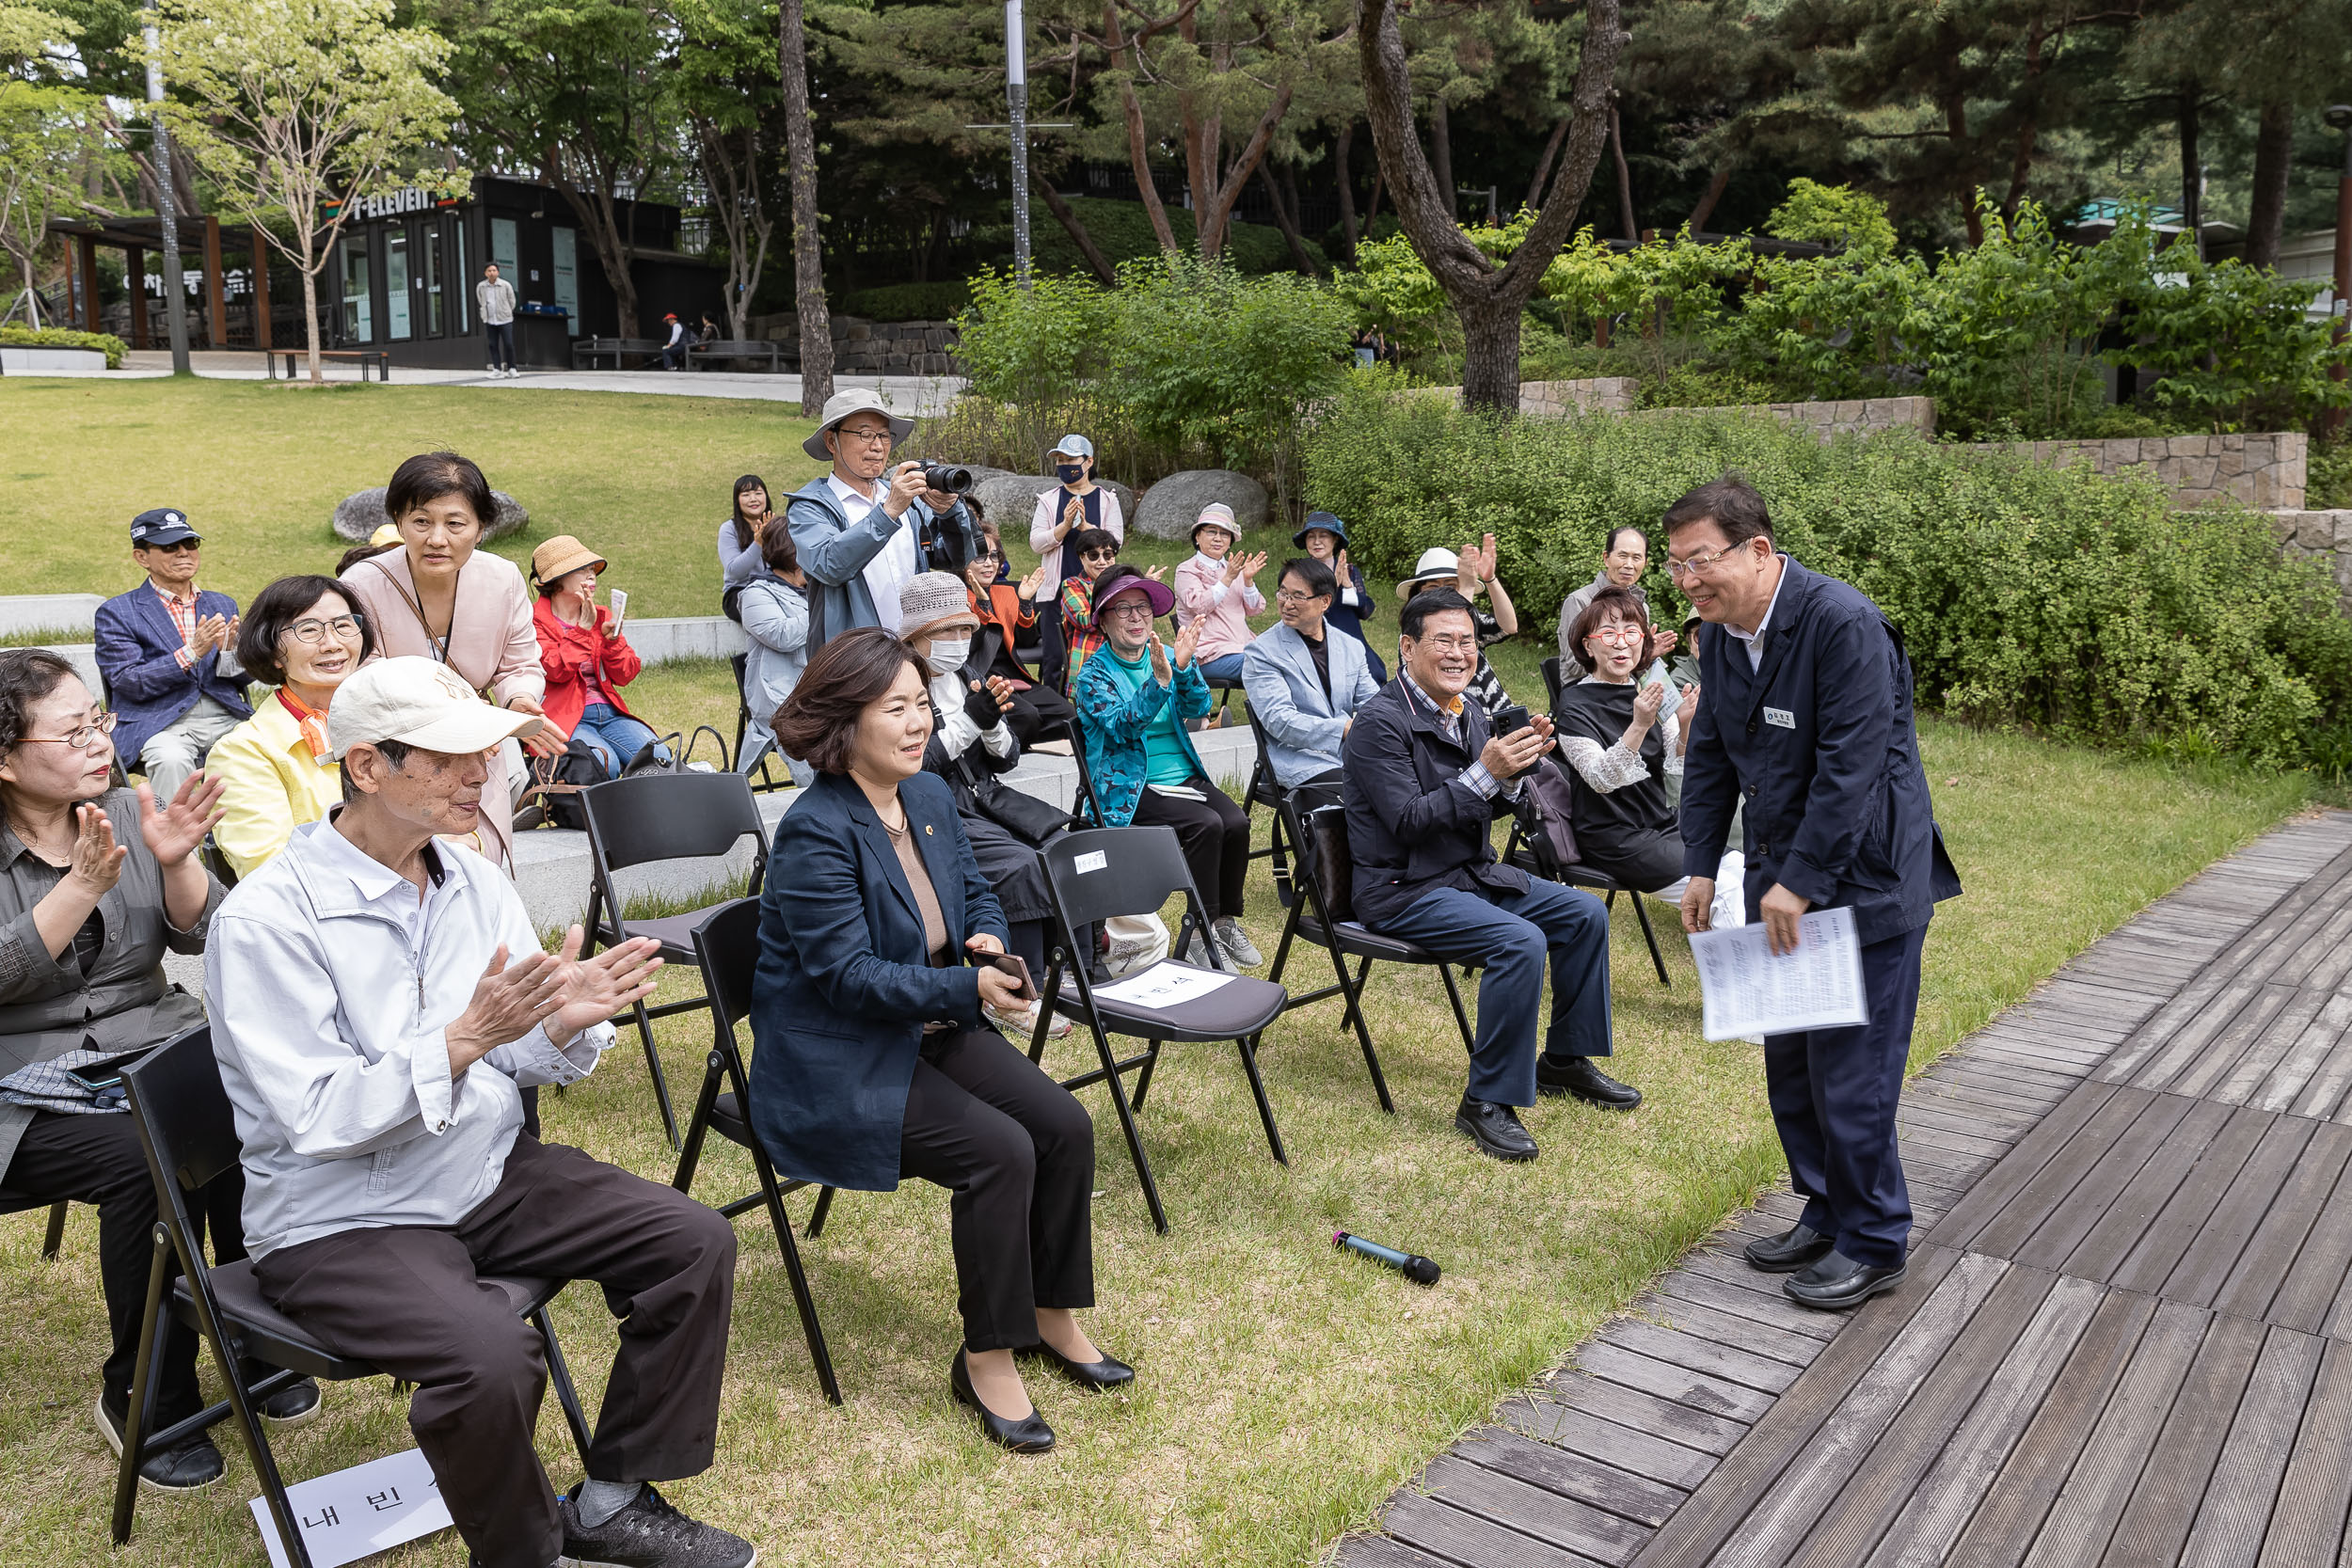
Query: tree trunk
{"type": "Point", "coordinates": [809, 259]}
{"type": "Point", "coordinates": [310, 325]}
{"type": "Point", "coordinates": [1706, 209]}
{"type": "Point", "coordinates": [1487, 298]}
{"type": "Point", "coordinates": [1441, 155]}
{"type": "Point", "coordinates": [2192, 172]}
{"type": "Point", "coordinates": [2274, 158]}
{"type": "Point", "coordinates": [1372, 208]}
{"type": "Point", "coordinates": [1341, 157]}
{"type": "Point", "coordinates": [1625, 177]}
{"type": "Point", "coordinates": [1287, 221]}
{"type": "Point", "coordinates": [1075, 227]}
{"type": "Point", "coordinates": [1139, 143]}
{"type": "Point", "coordinates": [1211, 223]}
{"type": "Point", "coordinates": [1543, 164]}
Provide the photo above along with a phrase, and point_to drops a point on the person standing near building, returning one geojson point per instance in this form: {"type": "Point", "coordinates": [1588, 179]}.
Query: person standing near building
{"type": "Point", "coordinates": [494, 297]}
{"type": "Point", "coordinates": [1807, 724]}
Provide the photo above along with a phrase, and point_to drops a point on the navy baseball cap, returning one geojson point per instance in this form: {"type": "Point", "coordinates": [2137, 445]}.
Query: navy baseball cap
{"type": "Point", "coordinates": [164, 525]}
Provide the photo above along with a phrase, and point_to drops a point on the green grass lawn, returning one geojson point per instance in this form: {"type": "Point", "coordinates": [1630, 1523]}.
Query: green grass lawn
{"type": "Point", "coordinates": [1284, 1389]}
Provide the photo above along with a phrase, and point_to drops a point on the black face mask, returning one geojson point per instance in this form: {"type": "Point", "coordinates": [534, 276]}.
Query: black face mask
{"type": "Point", "coordinates": [1070, 473]}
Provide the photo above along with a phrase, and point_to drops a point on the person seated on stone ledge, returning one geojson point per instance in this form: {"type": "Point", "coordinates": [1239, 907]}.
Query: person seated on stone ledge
{"type": "Point", "coordinates": [161, 650]}
{"type": "Point", "coordinates": [586, 658]}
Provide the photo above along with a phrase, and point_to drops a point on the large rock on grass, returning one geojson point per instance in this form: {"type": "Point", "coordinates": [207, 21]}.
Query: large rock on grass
{"type": "Point", "coordinates": [1010, 500]}
{"type": "Point", "coordinates": [360, 515]}
{"type": "Point", "coordinates": [1173, 505]}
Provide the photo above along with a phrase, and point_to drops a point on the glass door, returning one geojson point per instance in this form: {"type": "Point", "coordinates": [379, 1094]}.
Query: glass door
{"type": "Point", "coordinates": [396, 283]}
{"type": "Point", "coordinates": [461, 291]}
{"type": "Point", "coordinates": [567, 277]}
{"type": "Point", "coordinates": [359, 322]}
{"type": "Point", "coordinates": [429, 290]}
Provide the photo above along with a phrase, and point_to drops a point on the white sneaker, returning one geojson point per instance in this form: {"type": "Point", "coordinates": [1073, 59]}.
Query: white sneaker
{"type": "Point", "coordinates": [494, 369]}
{"type": "Point", "coordinates": [1019, 1025]}
{"type": "Point", "coordinates": [1235, 944]}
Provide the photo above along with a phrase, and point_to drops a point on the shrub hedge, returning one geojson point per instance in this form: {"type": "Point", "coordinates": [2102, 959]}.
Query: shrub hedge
{"type": "Point", "coordinates": [106, 343]}
{"type": "Point", "coordinates": [2044, 597]}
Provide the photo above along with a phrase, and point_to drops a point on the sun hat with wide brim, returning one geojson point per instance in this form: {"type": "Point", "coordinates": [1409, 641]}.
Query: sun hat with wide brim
{"type": "Point", "coordinates": [1435, 562]}
{"type": "Point", "coordinates": [857, 399]}
{"type": "Point", "coordinates": [420, 703]}
{"type": "Point", "coordinates": [386, 533]}
{"type": "Point", "coordinates": [1124, 579]}
{"type": "Point", "coordinates": [561, 555]}
{"type": "Point", "coordinates": [1325, 521]}
{"type": "Point", "coordinates": [1217, 514]}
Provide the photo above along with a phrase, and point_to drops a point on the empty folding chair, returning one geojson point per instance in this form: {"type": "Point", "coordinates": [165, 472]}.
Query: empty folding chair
{"type": "Point", "coordinates": [726, 945]}
{"type": "Point", "coordinates": [653, 817]}
{"type": "Point", "coordinates": [189, 1133]}
{"type": "Point", "coordinates": [1105, 872]}
{"type": "Point", "coordinates": [1267, 791]}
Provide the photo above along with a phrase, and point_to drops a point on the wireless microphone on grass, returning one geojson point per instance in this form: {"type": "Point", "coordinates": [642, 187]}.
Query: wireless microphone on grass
{"type": "Point", "coordinates": [1420, 1270]}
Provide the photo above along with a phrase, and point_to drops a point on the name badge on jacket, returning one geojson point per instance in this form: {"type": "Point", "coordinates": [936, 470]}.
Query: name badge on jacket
{"type": "Point", "coordinates": [1780, 718]}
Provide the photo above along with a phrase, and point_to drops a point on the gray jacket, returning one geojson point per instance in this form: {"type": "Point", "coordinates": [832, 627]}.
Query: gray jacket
{"type": "Point", "coordinates": [496, 300]}
{"type": "Point", "coordinates": [833, 554]}
{"type": "Point", "coordinates": [48, 1006]}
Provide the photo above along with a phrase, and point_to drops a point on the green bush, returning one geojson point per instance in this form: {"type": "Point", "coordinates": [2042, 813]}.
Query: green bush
{"type": "Point", "coordinates": [106, 343]}
{"type": "Point", "coordinates": [909, 302]}
{"type": "Point", "coordinates": [2029, 595]}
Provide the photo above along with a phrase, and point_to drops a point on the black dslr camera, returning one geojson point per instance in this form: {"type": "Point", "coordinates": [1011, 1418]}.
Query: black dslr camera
{"type": "Point", "coordinates": [947, 478]}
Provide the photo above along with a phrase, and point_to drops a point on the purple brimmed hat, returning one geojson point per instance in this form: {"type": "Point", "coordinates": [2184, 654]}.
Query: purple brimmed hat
{"type": "Point", "coordinates": [1126, 579]}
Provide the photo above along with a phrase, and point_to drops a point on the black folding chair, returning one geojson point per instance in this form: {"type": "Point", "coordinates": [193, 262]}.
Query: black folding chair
{"type": "Point", "coordinates": [1103, 872]}
{"type": "Point", "coordinates": [1225, 686]}
{"type": "Point", "coordinates": [190, 1135]}
{"type": "Point", "coordinates": [1267, 791]}
{"type": "Point", "coordinates": [1325, 914]}
{"type": "Point", "coordinates": [726, 945]}
{"type": "Point", "coordinates": [17, 1203]}
{"type": "Point", "coordinates": [1518, 854]}
{"type": "Point", "coordinates": [1088, 806]}
{"type": "Point", "coordinates": [1552, 682]}
{"type": "Point", "coordinates": [767, 780]}
{"type": "Point", "coordinates": [662, 816]}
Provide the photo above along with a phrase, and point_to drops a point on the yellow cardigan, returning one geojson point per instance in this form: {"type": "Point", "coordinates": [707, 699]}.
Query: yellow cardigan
{"type": "Point", "coordinates": [274, 786]}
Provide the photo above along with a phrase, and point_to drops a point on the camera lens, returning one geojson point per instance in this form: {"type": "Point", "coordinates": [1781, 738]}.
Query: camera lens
{"type": "Point", "coordinates": [940, 476]}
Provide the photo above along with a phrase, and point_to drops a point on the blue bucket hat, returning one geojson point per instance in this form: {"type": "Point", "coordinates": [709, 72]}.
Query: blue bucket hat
{"type": "Point", "coordinates": [1320, 520]}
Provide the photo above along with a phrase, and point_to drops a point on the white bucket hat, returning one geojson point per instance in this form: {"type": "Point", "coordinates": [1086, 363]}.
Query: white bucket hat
{"type": "Point", "coordinates": [857, 399]}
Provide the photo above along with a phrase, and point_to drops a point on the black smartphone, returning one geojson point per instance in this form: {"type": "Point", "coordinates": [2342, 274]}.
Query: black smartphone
{"type": "Point", "coordinates": [1010, 963]}
{"type": "Point", "coordinates": [1512, 720]}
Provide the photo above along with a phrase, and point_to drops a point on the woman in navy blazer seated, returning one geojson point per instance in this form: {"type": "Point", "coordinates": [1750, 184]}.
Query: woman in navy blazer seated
{"type": "Point", "coordinates": [871, 1063]}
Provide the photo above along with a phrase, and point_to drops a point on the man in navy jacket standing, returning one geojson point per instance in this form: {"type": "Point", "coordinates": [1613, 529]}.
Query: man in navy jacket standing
{"type": "Point", "coordinates": [1807, 724]}
{"type": "Point", "coordinates": [161, 648]}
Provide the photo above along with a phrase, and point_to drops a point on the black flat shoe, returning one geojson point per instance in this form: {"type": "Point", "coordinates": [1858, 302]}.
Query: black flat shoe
{"type": "Point", "coordinates": [1799, 1247]}
{"type": "Point", "coordinates": [1577, 1075]}
{"type": "Point", "coordinates": [1496, 1129]}
{"type": "Point", "coordinates": [1109, 1372]}
{"type": "Point", "coordinates": [297, 1402]}
{"type": "Point", "coordinates": [1838, 1283]}
{"type": "Point", "coordinates": [1030, 1435]}
{"type": "Point", "coordinates": [193, 1465]}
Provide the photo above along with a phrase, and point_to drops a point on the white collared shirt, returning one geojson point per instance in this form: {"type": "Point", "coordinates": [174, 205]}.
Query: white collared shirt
{"type": "Point", "coordinates": [895, 562]}
{"type": "Point", "coordinates": [1755, 640]}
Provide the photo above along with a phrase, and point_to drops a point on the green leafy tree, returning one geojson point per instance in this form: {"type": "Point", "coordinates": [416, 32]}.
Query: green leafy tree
{"type": "Point", "coordinates": [725, 82]}
{"type": "Point", "coordinates": [300, 106]}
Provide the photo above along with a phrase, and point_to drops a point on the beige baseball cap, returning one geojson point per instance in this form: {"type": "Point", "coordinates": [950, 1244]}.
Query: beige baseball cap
{"type": "Point", "coordinates": [421, 704]}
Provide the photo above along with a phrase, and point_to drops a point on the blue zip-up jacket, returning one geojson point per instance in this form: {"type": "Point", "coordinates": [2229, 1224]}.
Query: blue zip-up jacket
{"type": "Point", "coordinates": [1114, 719]}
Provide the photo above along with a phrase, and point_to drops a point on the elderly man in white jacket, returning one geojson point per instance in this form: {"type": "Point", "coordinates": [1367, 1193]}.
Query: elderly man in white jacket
{"type": "Point", "coordinates": [379, 1000]}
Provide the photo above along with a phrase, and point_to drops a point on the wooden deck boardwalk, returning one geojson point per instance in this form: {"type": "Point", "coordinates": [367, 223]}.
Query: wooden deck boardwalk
{"type": "Point", "coordinates": [2126, 1336]}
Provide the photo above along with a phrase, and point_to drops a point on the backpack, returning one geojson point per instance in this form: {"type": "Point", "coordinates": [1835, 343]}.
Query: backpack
{"type": "Point", "coordinates": [1543, 810]}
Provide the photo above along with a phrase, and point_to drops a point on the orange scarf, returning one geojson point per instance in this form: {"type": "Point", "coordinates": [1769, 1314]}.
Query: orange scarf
{"type": "Point", "coordinates": [312, 722]}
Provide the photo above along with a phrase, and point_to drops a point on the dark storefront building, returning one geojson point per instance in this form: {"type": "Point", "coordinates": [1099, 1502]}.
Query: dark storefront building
{"type": "Point", "coordinates": [403, 274]}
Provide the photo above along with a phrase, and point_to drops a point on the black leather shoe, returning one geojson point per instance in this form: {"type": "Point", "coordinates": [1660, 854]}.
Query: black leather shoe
{"type": "Point", "coordinates": [297, 1402]}
{"type": "Point", "coordinates": [1109, 1372]}
{"type": "Point", "coordinates": [194, 1464]}
{"type": "Point", "coordinates": [1579, 1077]}
{"type": "Point", "coordinates": [1030, 1435]}
{"type": "Point", "coordinates": [1799, 1247]}
{"type": "Point", "coordinates": [1837, 1283]}
{"type": "Point", "coordinates": [1496, 1128]}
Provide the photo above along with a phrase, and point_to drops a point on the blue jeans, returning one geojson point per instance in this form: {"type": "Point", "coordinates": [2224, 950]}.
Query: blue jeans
{"type": "Point", "coordinates": [616, 738]}
{"type": "Point", "coordinates": [1834, 1093]}
{"type": "Point", "coordinates": [1225, 666]}
{"type": "Point", "coordinates": [1510, 933]}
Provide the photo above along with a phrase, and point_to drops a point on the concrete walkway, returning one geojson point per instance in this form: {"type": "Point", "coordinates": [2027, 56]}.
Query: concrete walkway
{"type": "Point", "coordinates": [909, 394]}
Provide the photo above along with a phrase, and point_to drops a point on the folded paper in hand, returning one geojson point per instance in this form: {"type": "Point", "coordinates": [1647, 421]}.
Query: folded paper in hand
{"type": "Point", "coordinates": [1749, 991]}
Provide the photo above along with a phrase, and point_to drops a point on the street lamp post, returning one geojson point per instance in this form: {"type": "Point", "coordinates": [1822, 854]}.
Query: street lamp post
{"type": "Point", "coordinates": [1017, 103]}
{"type": "Point", "coordinates": [175, 287]}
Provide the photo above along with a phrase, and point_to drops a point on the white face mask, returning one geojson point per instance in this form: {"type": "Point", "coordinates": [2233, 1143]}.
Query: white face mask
{"type": "Point", "coordinates": [948, 653]}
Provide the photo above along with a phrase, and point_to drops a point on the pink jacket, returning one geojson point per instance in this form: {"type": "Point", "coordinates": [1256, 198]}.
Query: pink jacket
{"type": "Point", "coordinates": [1223, 613]}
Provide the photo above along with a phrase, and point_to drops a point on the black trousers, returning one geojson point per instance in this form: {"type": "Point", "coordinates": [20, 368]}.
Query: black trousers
{"type": "Point", "coordinates": [501, 336]}
{"type": "Point", "coordinates": [1216, 835]}
{"type": "Point", "coordinates": [409, 1299]}
{"type": "Point", "coordinates": [1645, 861]}
{"type": "Point", "coordinates": [95, 1159]}
{"type": "Point", "coordinates": [1017, 1151]}
{"type": "Point", "coordinates": [1036, 711]}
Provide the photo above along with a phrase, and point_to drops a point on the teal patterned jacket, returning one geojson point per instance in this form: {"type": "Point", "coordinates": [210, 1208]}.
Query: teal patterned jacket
{"type": "Point", "coordinates": [1113, 722]}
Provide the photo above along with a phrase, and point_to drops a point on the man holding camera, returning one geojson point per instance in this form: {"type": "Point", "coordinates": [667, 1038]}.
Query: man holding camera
{"type": "Point", "coordinates": [866, 528]}
{"type": "Point", "coordinates": [1424, 775]}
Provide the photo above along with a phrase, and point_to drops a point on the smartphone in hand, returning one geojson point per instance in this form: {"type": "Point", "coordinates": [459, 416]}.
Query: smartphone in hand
{"type": "Point", "coordinates": [1009, 963]}
{"type": "Point", "coordinates": [620, 609]}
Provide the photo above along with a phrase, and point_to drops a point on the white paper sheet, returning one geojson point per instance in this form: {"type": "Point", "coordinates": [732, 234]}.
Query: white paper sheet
{"type": "Point", "coordinates": [1749, 991]}
{"type": "Point", "coordinates": [1164, 985]}
{"type": "Point", "coordinates": [357, 1513]}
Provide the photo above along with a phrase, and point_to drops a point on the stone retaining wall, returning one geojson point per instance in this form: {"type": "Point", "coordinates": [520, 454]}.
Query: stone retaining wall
{"type": "Point", "coordinates": [2320, 533]}
{"type": "Point", "coordinates": [862, 347]}
{"type": "Point", "coordinates": [2264, 470]}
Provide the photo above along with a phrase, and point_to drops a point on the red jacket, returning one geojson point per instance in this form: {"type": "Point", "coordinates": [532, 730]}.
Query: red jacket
{"type": "Point", "coordinates": [563, 648]}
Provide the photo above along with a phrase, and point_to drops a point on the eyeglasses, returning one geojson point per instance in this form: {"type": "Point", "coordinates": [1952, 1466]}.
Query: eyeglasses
{"type": "Point", "coordinates": [79, 738]}
{"type": "Point", "coordinates": [846, 434]}
{"type": "Point", "coordinates": [180, 547]}
{"type": "Point", "coordinates": [1140, 609]}
{"type": "Point", "coordinates": [985, 557]}
{"type": "Point", "coordinates": [343, 628]}
{"type": "Point", "coordinates": [1617, 636]}
{"type": "Point", "coordinates": [1285, 596]}
{"type": "Point", "coordinates": [1697, 564]}
{"type": "Point", "coordinates": [1451, 644]}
